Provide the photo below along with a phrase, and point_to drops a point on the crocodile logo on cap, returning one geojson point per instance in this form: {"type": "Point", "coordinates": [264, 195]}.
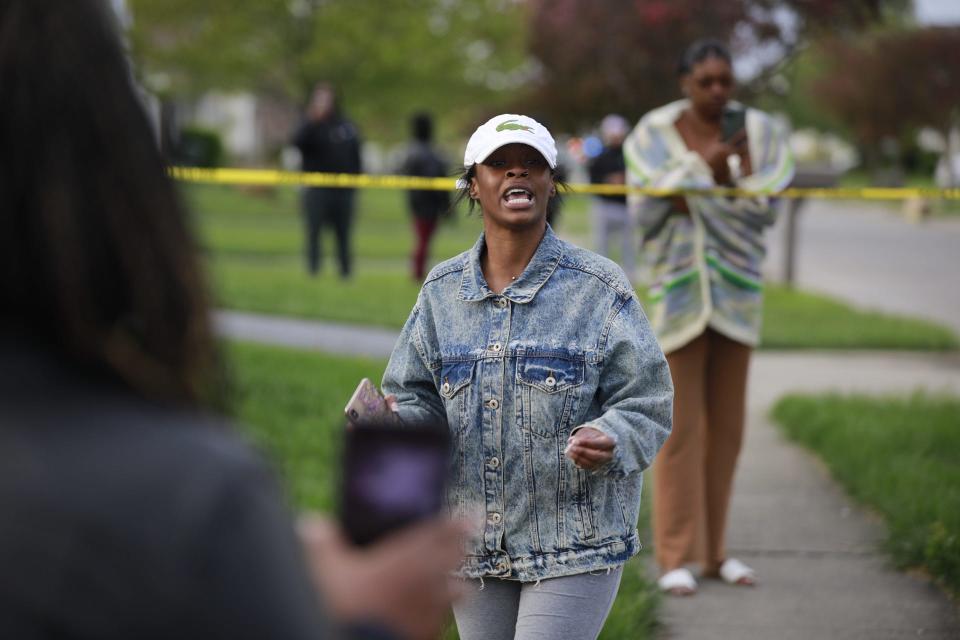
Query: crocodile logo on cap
{"type": "Point", "coordinates": [511, 125]}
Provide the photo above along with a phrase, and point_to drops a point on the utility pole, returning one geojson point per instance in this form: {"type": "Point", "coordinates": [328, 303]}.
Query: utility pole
{"type": "Point", "coordinates": [806, 177]}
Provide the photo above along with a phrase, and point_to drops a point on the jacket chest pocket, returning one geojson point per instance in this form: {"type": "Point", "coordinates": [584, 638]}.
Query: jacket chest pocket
{"type": "Point", "coordinates": [548, 388]}
{"type": "Point", "coordinates": [455, 382]}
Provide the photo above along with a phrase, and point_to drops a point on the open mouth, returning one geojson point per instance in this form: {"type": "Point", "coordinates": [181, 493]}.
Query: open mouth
{"type": "Point", "coordinates": [518, 198]}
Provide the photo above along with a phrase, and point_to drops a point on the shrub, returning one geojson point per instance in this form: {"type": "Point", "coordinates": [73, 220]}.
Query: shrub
{"type": "Point", "coordinates": [199, 147]}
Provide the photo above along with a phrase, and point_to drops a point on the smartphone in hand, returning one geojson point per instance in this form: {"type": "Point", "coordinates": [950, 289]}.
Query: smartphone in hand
{"type": "Point", "coordinates": [367, 405]}
{"type": "Point", "coordinates": [733, 122]}
{"type": "Point", "coordinates": [392, 477]}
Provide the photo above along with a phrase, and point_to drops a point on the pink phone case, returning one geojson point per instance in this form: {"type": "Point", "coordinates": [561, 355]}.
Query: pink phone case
{"type": "Point", "coordinates": [367, 405]}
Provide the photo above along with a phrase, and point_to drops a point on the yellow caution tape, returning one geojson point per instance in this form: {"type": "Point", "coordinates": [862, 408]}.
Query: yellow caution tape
{"type": "Point", "coordinates": [364, 181]}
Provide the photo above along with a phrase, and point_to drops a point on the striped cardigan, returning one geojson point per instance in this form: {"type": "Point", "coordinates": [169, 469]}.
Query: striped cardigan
{"type": "Point", "coordinates": [705, 267]}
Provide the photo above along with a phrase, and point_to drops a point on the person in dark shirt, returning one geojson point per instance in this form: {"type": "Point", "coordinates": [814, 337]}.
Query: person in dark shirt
{"type": "Point", "coordinates": [328, 143]}
{"type": "Point", "coordinates": [610, 214]}
{"type": "Point", "coordinates": [130, 519]}
{"type": "Point", "coordinates": [426, 206]}
{"type": "Point", "coordinates": [128, 509]}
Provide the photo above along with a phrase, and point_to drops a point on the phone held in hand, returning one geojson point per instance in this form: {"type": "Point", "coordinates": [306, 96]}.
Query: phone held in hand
{"type": "Point", "coordinates": [734, 120]}
{"type": "Point", "coordinates": [367, 405]}
{"type": "Point", "coordinates": [392, 477]}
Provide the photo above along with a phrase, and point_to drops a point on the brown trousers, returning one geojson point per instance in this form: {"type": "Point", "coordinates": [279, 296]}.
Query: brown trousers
{"type": "Point", "coordinates": [693, 473]}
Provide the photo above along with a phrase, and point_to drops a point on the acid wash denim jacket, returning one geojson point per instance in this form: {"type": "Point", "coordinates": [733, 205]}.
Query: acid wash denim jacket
{"type": "Point", "coordinates": [513, 375]}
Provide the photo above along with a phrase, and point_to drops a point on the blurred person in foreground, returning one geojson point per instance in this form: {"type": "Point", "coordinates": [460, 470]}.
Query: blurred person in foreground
{"type": "Point", "coordinates": [538, 357]}
{"type": "Point", "coordinates": [328, 143]}
{"type": "Point", "coordinates": [706, 289]}
{"type": "Point", "coordinates": [128, 510]}
{"type": "Point", "coordinates": [426, 206]}
{"type": "Point", "coordinates": [610, 215]}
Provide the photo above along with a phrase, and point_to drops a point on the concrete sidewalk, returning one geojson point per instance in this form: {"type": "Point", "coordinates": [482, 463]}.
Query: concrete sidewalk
{"type": "Point", "coordinates": [329, 337]}
{"type": "Point", "coordinates": [820, 573]}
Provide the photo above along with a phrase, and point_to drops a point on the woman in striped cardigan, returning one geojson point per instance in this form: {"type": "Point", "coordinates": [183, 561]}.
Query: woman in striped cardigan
{"type": "Point", "coordinates": [705, 253]}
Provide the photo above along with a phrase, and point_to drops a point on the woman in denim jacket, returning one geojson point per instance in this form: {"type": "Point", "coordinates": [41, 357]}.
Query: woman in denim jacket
{"type": "Point", "coordinates": [537, 355]}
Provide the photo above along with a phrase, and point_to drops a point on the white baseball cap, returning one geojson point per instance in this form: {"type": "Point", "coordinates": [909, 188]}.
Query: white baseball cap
{"type": "Point", "coordinates": [509, 128]}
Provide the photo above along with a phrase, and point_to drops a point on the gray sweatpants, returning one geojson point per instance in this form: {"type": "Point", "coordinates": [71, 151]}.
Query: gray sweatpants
{"type": "Point", "coordinates": [567, 608]}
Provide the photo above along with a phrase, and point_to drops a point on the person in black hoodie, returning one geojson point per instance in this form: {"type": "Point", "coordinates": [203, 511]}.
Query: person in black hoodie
{"type": "Point", "coordinates": [129, 509]}
{"type": "Point", "coordinates": [328, 143]}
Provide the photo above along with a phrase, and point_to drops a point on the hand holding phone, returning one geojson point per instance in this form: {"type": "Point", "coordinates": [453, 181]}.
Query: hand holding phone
{"type": "Point", "coordinates": [381, 582]}
{"type": "Point", "coordinates": [367, 405]}
{"type": "Point", "coordinates": [733, 126]}
{"type": "Point", "coordinates": [733, 142]}
{"type": "Point", "coordinates": [392, 477]}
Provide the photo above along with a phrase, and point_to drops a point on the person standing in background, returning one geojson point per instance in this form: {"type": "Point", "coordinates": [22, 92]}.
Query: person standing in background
{"type": "Point", "coordinates": [610, 213]}
{"type": "Point", "coordinates": [328, 143]}
{"type": "Point", "coordinates": [426, 206]}
{"type": "Point", "coordinates": [706, 296]}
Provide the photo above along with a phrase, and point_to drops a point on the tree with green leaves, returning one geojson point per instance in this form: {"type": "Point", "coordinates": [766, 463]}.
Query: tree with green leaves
{"type": "Point", "coordinates": [905, 79]}
{"type": "Point", "coordinates": [457, 58]}
{"type": "Point", "coordinates": [621, 55]}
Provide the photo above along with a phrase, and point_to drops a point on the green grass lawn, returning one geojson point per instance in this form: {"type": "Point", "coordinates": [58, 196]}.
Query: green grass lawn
{"type": "Point", "coordinates": [253, 240]}
{"type": "Point", "coordinates": [291, 405]}
{"type": "Point", "coordinates": [898, 455]}
{"type": "Point", "coordinates": [799, 320]}
{"type": "Point", "coordinates": [266, 223]}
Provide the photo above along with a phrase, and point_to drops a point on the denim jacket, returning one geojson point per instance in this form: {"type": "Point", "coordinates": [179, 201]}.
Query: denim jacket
{"type": "Point", "coordinates": [513, 375]}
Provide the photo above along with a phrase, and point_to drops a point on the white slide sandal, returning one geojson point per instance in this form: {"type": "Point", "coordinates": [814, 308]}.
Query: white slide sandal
{"type": "Point", "coordinates": [732, 571]}
{"type": "Point", "coordinates": [679, 582]}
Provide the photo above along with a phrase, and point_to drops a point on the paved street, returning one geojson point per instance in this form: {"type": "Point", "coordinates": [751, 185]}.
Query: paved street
{"type": "Point", "coordinates": [867, 254]}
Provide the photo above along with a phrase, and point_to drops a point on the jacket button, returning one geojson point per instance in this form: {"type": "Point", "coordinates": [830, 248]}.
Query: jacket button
{"type": "Point", "coordinates": [500, 302]}
{"type": "Point", "coordinates": [495, 347]}
{"type": "Point", "coordinates": [445, 388]}
{"type": "Point", "coordinates": [496, 518]}
{"type": "Point", "coordinates": [493, 403]}
{"type": "Point", "coordinates": [494, 462]}
{"type": "Point", "coordinates": [550, 381]}
{"type": "Point", "coordinates": [501, 567]}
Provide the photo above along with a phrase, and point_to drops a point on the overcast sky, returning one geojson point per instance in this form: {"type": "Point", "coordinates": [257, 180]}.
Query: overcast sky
{"type": "Point", "coordinates": [937, 11]}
